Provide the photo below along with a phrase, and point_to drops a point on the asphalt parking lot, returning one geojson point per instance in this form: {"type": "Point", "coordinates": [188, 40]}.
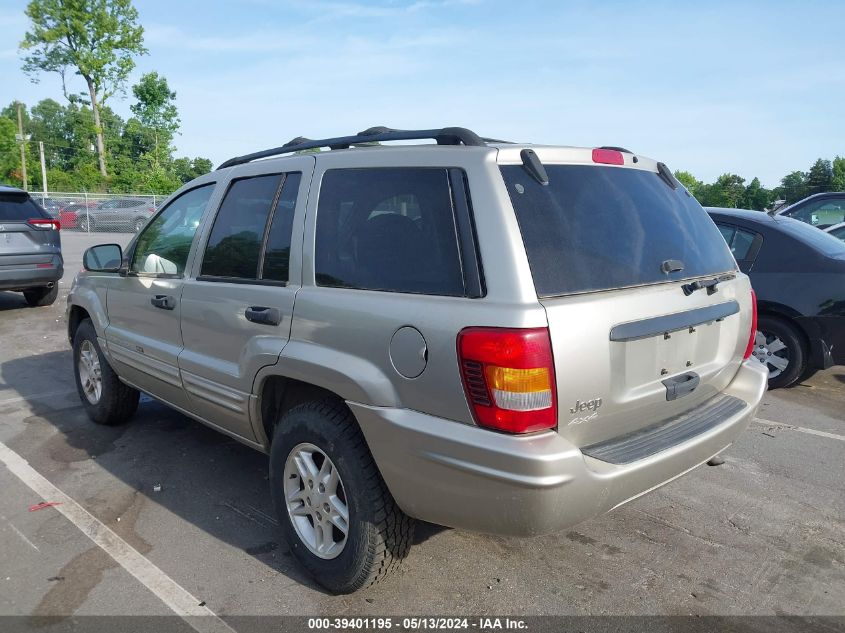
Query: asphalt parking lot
{"type": "Point", "coordinates": [763, 534]}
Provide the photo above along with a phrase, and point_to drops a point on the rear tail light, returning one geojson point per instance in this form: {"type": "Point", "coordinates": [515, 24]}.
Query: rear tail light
{"type": "Point", "coordinates": [151, 209]}
{"type": "Point", "coordinates": [608, 156]}
{"type": "Point", "coordinates": [509, 378]}
{"type": "Point", "coordinates": [44, 223]}
{"type": "Point", "coordinates": [750, 347]}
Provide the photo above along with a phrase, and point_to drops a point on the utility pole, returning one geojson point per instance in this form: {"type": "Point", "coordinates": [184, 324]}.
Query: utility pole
{"type": "Point", "coordinates": [22, 140]}
{"type": "Point", "coordinates": [43, 171]}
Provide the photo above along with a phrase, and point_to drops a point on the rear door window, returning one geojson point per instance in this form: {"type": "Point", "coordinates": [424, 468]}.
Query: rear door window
{"type": "Point", "coordinates": [18, 207]}
{"type": "Point", "coordinates": [390, 229]}
{"type": "Point", "coordinates": [598, 228]}
{"type": "Point", "coordinates": [738, 240]}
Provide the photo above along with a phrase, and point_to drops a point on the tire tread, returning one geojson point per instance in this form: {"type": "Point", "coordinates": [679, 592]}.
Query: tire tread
{"type": "Point", "coordinates": [118, 401]}
{"type": "Point", "coordinates": [393, 527]}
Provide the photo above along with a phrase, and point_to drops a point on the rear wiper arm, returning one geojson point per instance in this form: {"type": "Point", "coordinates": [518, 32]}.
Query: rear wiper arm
{"type": "Point", "coordinates": [710, 284]}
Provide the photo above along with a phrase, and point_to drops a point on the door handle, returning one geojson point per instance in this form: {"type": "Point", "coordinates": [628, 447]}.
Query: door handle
{"type": "Point", "coordinates": [165, 302]}
{"type": "Point", "coordinates": [265, 316]}
{"type": "Point", "coordinates": [680, 386]}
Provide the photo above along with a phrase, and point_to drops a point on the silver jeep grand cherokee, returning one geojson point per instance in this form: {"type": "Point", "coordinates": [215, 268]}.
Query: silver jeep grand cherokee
{"type": "Point", "coordinates": [479, 334]}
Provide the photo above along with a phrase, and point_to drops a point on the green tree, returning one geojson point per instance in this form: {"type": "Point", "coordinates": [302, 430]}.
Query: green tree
{"type": "Point", "coordinates": [820, 177]}
{"type": "Point", "coordinates": [793, 186]}
{"type": "Point", "coordinates": [156, 109]}
{"type": "Point", "coordinates": [688, 180]}
{"type": "Point", "coordinates": [732, 190]}
{"type": "Point", "coordinates": [9, 153]}
{"type": "Point", "coordinates": [97, 39]}
{"type": "Point", "coordinates": [837, 181]}
{"type": "Point", "coordinates": [186, 169]}
{"type": "Point", "coordinates": [10, 112]}
{"type": "Point", "coordinates": [756, 196]}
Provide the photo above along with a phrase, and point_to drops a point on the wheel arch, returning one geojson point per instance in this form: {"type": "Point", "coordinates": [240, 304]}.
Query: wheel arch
{"type": "Point", "coordinates": [86, 301]}
{"type": "Point", "coordinates": [785, 313]}
{"type": "Point", "coordinates": [76, 315]}
{"type": "Point", "coordinates": [278, 394]}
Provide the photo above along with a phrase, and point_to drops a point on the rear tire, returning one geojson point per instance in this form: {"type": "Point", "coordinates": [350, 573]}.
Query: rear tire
{"type": "Point", "coordinates": [777, 341]}
{"type": "Point", "coordinates": [85, 224]}
{"type": "Point", "coordinates": [114, 402]}
{"type": "Point", "coordinates": [40, 297]}
{"type": "Point", "coordinates": [378, 534]}
{"type": "Point", "coordinates": [139, 224]}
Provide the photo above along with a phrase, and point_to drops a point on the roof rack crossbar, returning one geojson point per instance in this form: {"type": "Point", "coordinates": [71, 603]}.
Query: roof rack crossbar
{"type": "Point", "coordinates": [443, 136]}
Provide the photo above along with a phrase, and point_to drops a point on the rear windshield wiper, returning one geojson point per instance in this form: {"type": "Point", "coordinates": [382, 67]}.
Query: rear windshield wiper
{"type": "Point", "coordinates": [710, 284]}
{"type": "Point", "coordinates": [667, 176]}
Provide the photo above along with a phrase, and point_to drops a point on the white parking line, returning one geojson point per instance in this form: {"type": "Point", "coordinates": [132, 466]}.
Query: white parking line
{"type": "Point", "coordinates": [23, 536]}
{"type": "Point", "coordinates": [176, 597]}
{"type": "Point", "coordinates": [801, 429]}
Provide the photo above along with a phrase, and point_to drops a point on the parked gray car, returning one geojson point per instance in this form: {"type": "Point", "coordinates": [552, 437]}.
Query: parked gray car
{"type": "Point", "coordinates": [119, 214]}
{"type": "Point", "coordinates": [489, 336]}
{"type": "Point", "coordinates": [30, 248]}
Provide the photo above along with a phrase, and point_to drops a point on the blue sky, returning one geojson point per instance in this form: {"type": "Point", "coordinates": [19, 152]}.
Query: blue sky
{"type": "Point", "coordinates": [710, 87]}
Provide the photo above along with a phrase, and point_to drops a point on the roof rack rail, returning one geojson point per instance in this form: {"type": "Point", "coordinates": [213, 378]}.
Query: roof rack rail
{"type": "Point", "coordinates": [443, 136]}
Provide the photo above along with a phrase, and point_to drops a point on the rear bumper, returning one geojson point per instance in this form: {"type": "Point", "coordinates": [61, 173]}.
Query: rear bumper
{"type": "Point", "coordinates": [466, 477]}
{"type": "Point", "coordinates": [22, 276]}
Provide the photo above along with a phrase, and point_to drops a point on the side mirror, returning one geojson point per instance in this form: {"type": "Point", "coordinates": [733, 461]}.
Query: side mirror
{"type": "Point", "coordinates": [103, 258]}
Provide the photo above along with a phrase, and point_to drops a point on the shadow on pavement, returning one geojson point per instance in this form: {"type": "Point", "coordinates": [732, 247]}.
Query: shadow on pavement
{"type": "Point", "coordinates": [12, 301]}
{"type": "Point", "coordinates": [206, 478]}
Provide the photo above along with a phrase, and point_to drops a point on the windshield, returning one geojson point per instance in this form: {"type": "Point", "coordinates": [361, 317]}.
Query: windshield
{"type": "Point", "coordinates": [597, 228]}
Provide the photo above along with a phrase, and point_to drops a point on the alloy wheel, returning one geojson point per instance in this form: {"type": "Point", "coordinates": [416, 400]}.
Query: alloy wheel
{"type": "Point", "coordinates": [316, 501]}
{"type": "Point", "coordinates": [90, 376]}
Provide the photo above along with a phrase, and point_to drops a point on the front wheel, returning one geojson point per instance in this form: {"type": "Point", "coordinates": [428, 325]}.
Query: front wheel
{"type": "Point", "coordinates": [780, 347]}
{"type": "Point", "coordinates": [106, 399]}
{"type": "Point", "coordinates": [338, 517]}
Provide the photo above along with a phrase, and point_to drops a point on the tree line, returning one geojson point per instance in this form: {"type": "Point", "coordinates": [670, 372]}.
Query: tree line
{"type": "Point", "coordinates": [730, 190]}
{"type": "Point", "coordinates": [87, 146]}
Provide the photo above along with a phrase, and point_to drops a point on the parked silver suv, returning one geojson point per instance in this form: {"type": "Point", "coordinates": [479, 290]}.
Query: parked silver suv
{"type": "Point", "coordinates": [484, 335]}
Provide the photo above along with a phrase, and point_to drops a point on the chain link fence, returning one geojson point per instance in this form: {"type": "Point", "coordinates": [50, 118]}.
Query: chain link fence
{"type": "Point", "coordinates": [99, 212]}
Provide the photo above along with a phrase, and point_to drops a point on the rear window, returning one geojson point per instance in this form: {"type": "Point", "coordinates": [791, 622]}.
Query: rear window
{"type": "Point", "coordinates": [16, 206]}
{"type": "Point", "coordinates": [597, 228]}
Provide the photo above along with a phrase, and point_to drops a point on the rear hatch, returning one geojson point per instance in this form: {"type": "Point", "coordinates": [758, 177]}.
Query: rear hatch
{"type": "Point", "coordinates": [24, 239]}
{"type": "Point", "coordinates": [616, 252]}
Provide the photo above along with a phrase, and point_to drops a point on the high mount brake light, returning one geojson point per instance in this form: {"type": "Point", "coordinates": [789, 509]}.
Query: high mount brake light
{"type": "Point", "coordinates": [608, 156]}
{"type": "Point", "coordinates": [44, 223]}
{"type": "Point", "coordinates": [750, 347]}
{"type": "Point", "coordinates": [509, 378]}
